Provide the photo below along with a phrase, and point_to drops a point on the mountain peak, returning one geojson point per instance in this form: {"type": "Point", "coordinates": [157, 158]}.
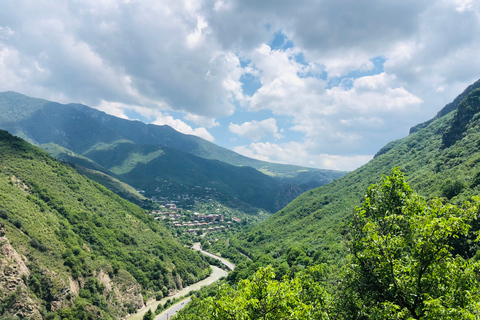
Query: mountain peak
{"type": "Point", "coordinates": [449, 107]}
{"type": "Point", "coordinates": [467, 114]}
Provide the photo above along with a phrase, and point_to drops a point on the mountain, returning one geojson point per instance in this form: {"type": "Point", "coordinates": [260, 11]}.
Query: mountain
{"type": "Point", "coordinates": [151, 157]}
{"type": "Point", "coordinates": [71, 249]}
{"type": "Point", "coordinates": [440, 159]}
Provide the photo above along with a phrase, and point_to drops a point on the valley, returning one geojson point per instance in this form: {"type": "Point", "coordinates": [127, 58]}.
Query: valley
{"type": "Point", "coordinates": [95, 252]}
{"type": "Point", "coordinates": [240, 160]}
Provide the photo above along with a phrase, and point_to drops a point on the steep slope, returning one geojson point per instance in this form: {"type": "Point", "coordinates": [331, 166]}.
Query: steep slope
{"type": "Point", "coordinates": [440, 160]}
{"type": "Point", "coordinates": [147, 165]}
{"type": "Point", "coordinates": [449, 107]}
{"type": "Point", "coordinates": [65, 124]}
{"type": "Point", "coordinates": [120, 148]}
{"type": "Point", "coordinates": [71, 248]}
{"type": "Point", "coordinates": [141, 133]}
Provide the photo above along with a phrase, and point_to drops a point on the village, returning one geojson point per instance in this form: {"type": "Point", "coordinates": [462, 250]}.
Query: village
{"type": "Point", "coordinates": [192, 222]}
{"type": "Point", "coordinates": [182, 195]}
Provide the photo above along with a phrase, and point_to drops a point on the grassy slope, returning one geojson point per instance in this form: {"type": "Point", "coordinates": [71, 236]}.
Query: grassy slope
{"type": "Point", "coordinates": [318, 218]}
{"type": "Point", "coordinates": [45, 200]}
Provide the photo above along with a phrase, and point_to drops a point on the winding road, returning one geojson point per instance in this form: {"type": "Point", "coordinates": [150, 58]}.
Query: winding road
{"type": "Point", "coordinates": [216, 274]}
{"type": "Point", "coordinates": [229, 265]}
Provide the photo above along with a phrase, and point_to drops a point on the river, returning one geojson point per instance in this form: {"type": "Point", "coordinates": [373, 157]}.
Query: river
{"type": "Point", "coordinates": [216, 274]}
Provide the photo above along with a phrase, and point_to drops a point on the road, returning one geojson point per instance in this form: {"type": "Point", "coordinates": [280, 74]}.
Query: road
{"type": "Point", "coordinates": [216, 274]}
{"type": "Point", "coordinates": [167, 314]}
{"type": "Point", "coordinates": [229, 265]}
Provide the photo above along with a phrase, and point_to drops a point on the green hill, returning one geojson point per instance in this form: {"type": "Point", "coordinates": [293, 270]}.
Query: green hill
{"type": "Point", "coordinates": [151, 157]}
{"type": "Point", "coordinates": [72, 249]}
{"type": "Point", "coordinates": [442, 159]}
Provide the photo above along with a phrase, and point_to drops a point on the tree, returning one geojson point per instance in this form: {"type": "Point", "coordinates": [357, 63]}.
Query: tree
{"type": "Point", "coordinates": [263, 297]}
{"type": "Point", "coordinates": [149, 315]}
{"type": "Point", "coordinates": [401, 262]}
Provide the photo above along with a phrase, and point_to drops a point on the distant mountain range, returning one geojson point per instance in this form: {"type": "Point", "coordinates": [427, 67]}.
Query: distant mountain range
{"type": "Point", "coordinates": [155, 159]}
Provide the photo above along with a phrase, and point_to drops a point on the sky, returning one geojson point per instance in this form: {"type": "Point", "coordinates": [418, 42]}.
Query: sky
{"type": "Point", "coordinates": [323, 83]}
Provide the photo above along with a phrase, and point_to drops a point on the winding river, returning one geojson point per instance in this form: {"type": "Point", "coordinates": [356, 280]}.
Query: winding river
{"type": "Point", "coordinates": [216, 274]}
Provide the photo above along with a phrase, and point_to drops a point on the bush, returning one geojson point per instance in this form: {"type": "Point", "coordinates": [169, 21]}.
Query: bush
{"type": "Point", "coordinates": [17, 223]}
{"type": "Point", "coordinates": [38, 245]}
{"type": "Point", "coordinates": [451, 188]}
{"type": "Point", "coordinates": [3, 213]}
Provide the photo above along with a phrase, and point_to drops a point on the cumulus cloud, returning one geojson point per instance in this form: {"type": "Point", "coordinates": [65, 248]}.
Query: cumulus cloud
{"type": "Point", "coordinates": [206, 122]}
{"type": "Point", "coordinates": [255, 130]}
{"type": "Point", "coordinates": [146, 53]}
{"type": "Point", "coordinates": [325, 115]}
{"type": "Point", "coordinates": [119, 110]}
{"type": "Point", "coordinates": [182, 127]}
{"type": "Point", "coordinates": [6, 32]}
{"type": "Point", "coordinates": [327, 85]}
{"type": "Point", "coordinates": [297, 153]}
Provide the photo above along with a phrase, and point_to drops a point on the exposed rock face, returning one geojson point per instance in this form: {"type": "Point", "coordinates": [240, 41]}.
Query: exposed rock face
{"type": "Point", "coordinates": [126, 292]}
{"type": "Point", "coordinates": [122, 291]}
{"type": "Point", "coordinates": [466, 116]}
{"type": "Point", "coordinates": [13, 289]}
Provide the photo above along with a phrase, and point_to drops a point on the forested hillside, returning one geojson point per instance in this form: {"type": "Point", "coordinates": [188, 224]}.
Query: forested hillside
{"type": "Point", "coordinates": [409, 258]}
{"type": "Point", "coordinates": [71, 249]}
{"type": "Point", "coordinates": [440, 160]}
{"type": "Point", "coordinates": [394, 239]}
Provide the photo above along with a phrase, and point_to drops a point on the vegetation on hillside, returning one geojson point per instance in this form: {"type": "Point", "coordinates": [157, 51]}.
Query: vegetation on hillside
{"type": "Point", "coordinates": [151, 157]}
{"type": "Point", "coordinates": [440, 160]}
{"type": "Point", "coordinates": [408, 259]}
{"type": "Point", "coordinates": [88, 253]}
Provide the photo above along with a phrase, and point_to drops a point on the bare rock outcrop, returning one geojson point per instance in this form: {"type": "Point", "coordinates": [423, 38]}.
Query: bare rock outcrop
{"type": "Point", "coordinates": [14, 291]}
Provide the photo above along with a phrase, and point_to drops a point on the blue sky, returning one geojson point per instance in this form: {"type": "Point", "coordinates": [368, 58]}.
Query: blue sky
{"type": "Point", "coordinates": [317, 83]}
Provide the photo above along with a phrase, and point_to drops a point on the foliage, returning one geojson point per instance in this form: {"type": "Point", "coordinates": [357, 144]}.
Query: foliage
{"type": "Point", "coordinates": [402, 264]}
{"type": "Point", "coordinates": [149, 315]}
{"type": "Point", "coordinates": [264, 297]}
{"type": "Point", "coordinates": [318, 219]}
{"type": "Point", "coordinates": [452, 188]}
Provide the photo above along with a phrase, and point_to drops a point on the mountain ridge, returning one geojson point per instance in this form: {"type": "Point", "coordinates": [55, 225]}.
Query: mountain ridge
{"type": "Point", "coordinates": [86, 131]}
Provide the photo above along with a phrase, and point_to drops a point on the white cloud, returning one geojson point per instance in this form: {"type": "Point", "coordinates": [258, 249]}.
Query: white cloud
{"type": "Point", "coordinates": [118, 109]}
{"type": "Point", "coordinates": [297, 153]}
{"type": "Point", "coordinates": [206, 122]}
{"type": "Point", "coordinates": [255, 130]}
{"type": "Point", "coordinates": [182, 127]}
{"type": "Point", "coordinates": [325, 115]}
{"type": "Point", "coordinates": [114, 108]}
{"type": "Point", "coordinates": [193, 39]}
{"type": "Point", "coordinates": [6, 32]}
{"type": "Point", "coordinates": [464, 5]}
{"type": "Point", "coordinates": [190, 56]}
